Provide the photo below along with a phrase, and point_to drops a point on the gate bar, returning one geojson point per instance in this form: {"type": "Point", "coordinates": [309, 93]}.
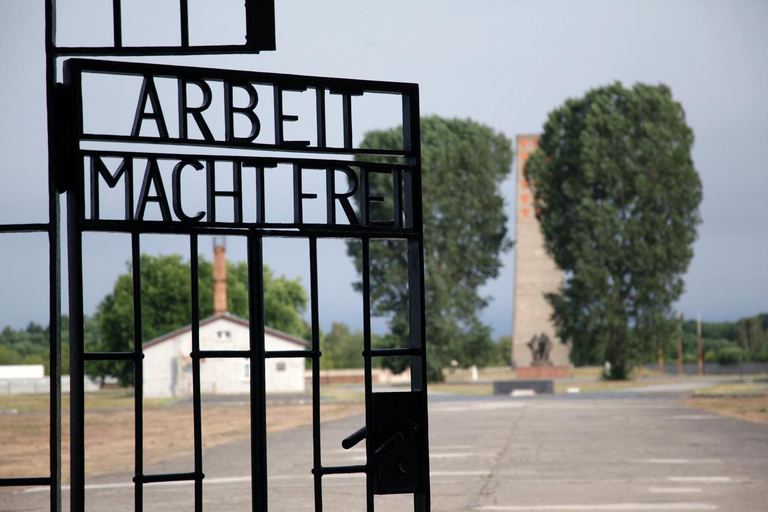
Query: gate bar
{"type": "Point", "coordinates": [54, 265]}
{"type": "Point", "coordinates": [258, 373]}
{"type": "Point", "coordinates": [316, 418]}
{"type": "Point", "coordinates": [18, 482]}
{"type": "Point", "coordinates": [196, 404]}
{"type": "Point", "coordinates": [76, 359]}
{"type": "Point", "coordinates": [418, 333]}
{"type": "Point", "coordinates": [138, 374]}
{"type": "Point", "coordinates": [168, 477]}
{"type": "Point", "coordinates": [369, 484]}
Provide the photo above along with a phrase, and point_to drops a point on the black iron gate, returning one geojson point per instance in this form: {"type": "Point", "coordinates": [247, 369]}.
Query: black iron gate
{"type": "Point", "coordinates": [82, 161]}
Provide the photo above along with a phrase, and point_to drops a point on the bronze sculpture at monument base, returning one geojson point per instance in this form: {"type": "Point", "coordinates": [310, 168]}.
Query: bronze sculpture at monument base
{"type": "Point", "coordinates": [541, 366]}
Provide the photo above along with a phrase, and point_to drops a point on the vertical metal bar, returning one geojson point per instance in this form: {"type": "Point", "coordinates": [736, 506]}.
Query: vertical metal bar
{"type": "Point", "coordinates": [260, 24]}
{"type": "Point", "coordinates": [117, 23]}
{"type": "Point", "coordinates": [138, 374]}
{"type": "Point", "coordinates": [258, 377]}
{"type": "Point", "coordinates": [54, 263]}
{"type": "Point", "coordinates": [184, 22]}
{"type": "Point", "coordinates": [76, 370]}
{"type": "Point", "coordinates": [416, 299]}
{"type": "Point", "coordinates": [397, 192]}
{"type": "Point", "coordinates": [320, 111]}
{"type": "Point", "coordinates": [346, 108]}
{"type": "Point", "coordinates": [316, 444]}
{"type": "Point", "coordinates": [75, 215]}
{"type": "Point", "coordinates": [196, 405]}
{"type": "Point", "coordinates": [364, 192]}
{"type": "Point", "coordinates": [54, 329]}
{"type": "Point", "coordinates": [368, 380]}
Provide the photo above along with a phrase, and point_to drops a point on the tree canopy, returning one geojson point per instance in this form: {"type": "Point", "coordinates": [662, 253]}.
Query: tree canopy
{"type": "Point", "coordinates": [463, 163]}
{"type": "Point", "coordinates": [617, 197]}
{"type": "Point", "coordinates": [166, 306]}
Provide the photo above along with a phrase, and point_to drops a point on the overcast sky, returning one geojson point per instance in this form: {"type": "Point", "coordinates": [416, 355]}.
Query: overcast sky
{"type": "Point", "coordinates": [503, 63]}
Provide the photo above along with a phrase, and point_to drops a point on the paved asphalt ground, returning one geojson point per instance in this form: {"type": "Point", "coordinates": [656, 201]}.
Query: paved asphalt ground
{"type": "Point", "coordinates": [611, 452]}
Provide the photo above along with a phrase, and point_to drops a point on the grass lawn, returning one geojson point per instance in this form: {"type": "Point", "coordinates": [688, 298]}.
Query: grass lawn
{"type": "Point", "coordinates": [748, 408]}
{"type": "Point", "coordinates": [110, 427]}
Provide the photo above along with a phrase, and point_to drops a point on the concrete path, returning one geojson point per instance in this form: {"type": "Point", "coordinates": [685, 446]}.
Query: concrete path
{"type": "Point", "coordinates": [556, 454]}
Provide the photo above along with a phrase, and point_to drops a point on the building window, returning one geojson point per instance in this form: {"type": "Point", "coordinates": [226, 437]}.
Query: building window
{"type": "Point", "coordinates": [246, 370]}
{"type": "Point", "coordinates": [223, 335]}
{"type": "Point", "coordinates": [281, 367]}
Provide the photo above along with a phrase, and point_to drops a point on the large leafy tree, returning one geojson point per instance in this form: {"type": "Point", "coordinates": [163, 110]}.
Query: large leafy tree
{"type": "Point", "coordinates": [166, 306]}
{"type": "Point", "coordinates": [617, 197]}
{"type": "Point", "coordinates": [463, 163]}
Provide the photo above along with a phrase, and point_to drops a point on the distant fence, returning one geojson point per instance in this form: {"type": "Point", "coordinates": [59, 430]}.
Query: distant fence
{"type": "Point", "coordinates": [357, 376]}
{"type": "Point", "coordinates": [746, 368]}
{"type": "Point", "coordinates": [38, 386]}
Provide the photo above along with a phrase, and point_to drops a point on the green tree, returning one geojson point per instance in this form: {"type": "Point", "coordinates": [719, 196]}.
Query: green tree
{"type": "Point", "coordinates": [166, 306]}
{"type": "Point", "coordinates": [342, 348]}
{"type": "Point", "coordinates": [752, 333]}
{"type": "Point", "coordinates": [463, 163]}
{"type": "Point", "coordinates": [617, 197]}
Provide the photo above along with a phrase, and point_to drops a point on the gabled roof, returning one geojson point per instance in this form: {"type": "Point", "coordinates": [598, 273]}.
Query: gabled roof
{"type": "Point", "coordinates": [230, 318]}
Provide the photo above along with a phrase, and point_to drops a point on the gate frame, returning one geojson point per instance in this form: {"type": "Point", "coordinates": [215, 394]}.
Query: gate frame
{"type": "Point", "coordinates": [260, 31]}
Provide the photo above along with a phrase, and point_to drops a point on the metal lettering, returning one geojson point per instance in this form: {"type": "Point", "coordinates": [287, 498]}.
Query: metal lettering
{"type": "Point", "coordinates": [98, 168]}
{"type": "Point", "coordinates": [176, 190]}
{"type": "Point", "coordinates": [365, 205]}
{"type": "Point", "coordinates": [320, 109]}
{"type": "Point", "coordinates": [299, 195]}
{"type": "Point", "coordinates": [236, 193]}
{"type": "Point", "coordinates": [230, 110]}
{"type": "Point", "coordinates": [149, 92]}
{"type": "Point", "coordinates": [260, 209]}
{"type": "Point", "coordinates": [332, 196]}
{"type": "Point", "coordinates": [346, 107]}
{"type": "Point", "coordinates": [197, 112]}
{"type": "Point", "coordinates": [152, 178]}
{"type": "Point", "coordinates": [280, 117]}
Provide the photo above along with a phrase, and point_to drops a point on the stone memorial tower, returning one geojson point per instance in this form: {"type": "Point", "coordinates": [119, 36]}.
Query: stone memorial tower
{"type": "Point", "coordinates": [535, 275]}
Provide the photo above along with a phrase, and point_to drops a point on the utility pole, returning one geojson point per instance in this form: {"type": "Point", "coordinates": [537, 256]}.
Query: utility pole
{"type": "Point", "coordinates": [701, 351]}
{"type": "Point", "coordinates": [680, 344]}
{"type": "Point", "coordinates": [661, 356]}
{"type": "Point", "coordinates": [660, 350]}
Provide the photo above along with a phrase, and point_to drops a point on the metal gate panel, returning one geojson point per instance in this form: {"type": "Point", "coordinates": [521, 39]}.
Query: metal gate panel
{"type": "Point", "coordinates": [68, 147]}
{"type": "Point", "coordinates": [397, 456]}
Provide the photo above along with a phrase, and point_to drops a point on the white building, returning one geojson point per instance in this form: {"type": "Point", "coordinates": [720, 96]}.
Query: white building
{"type": "Point", "coordinates": [168, 365]}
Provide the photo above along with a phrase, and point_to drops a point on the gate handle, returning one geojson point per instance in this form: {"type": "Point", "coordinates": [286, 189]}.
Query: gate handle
{"type": "Point", "coordinates": [353, 438]}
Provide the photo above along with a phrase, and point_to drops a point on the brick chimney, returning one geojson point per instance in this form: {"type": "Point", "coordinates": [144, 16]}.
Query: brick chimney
{"type": "Point", "coordinates": [219, 275]}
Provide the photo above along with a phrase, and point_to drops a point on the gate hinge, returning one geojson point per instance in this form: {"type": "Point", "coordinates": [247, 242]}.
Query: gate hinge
{"type": "Point", "coordinates": [63, 126]}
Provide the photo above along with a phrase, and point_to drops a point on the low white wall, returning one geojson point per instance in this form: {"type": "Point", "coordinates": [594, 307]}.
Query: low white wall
{"type": "Point", "coordinates": [40, 386]}
{"type": "Point", "coordinates": [22, 371]}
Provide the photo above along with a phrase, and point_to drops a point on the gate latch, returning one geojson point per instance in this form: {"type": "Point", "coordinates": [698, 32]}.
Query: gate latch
{"type": "Point", "coordinates": [399, 440]}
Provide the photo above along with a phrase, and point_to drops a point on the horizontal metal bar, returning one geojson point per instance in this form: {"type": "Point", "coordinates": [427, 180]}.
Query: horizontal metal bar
{"type": "Point", "coordinates": [24, 228]}
{"type": "Point", "coordinates": [292, 148]}
{"type": "Point", "coordinates": [169, 477]}
{"type": "Point", "coordinates": [111, 356]}
{"type": "Point", "coordinates": [232, 229]}
{"type": "Point", "coordinates": [341, 470]}
{"type": "Point", "coordinates": [232, 354]}
{"type": "Point", "coordinates": [304, 163]}
{"type": "Point", "coordinates": [379, 352]}
{"type": "Point", "coordinates": [288, 353]}
{"type": "Point", "coordinates": [339, 85]}
{"type": "Point", "coordinates": [20, 482]}
{"type": "Point", "coordinates": [131, 51]}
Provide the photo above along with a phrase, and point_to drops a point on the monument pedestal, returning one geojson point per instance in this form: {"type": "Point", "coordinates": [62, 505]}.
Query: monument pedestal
{"type": "Point", "coordinates": [544, 372]}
